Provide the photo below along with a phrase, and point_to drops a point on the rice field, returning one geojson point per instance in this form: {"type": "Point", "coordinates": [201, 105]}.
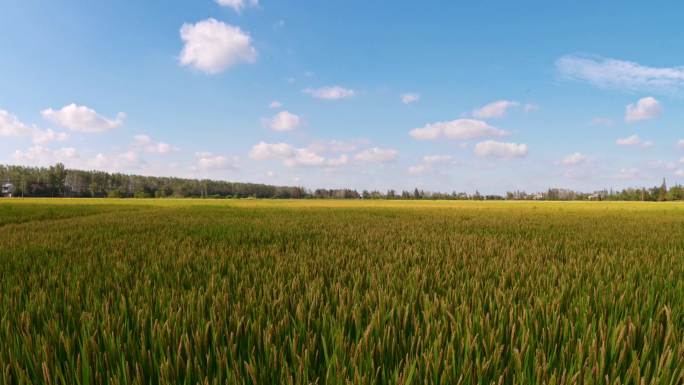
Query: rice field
{"type": "Point", "coordinates": [340, 292]}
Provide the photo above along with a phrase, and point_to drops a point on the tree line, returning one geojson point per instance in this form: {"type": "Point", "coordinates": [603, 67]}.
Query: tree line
{"type": "Point", "coordinates": [58, 181]}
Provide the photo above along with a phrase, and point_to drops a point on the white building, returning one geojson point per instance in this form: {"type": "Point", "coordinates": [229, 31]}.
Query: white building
{"type": "Point", "coordinates": [7, 190]}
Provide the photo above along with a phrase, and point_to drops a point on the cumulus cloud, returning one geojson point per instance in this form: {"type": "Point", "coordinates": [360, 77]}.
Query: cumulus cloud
{"type": "Point", "coordinates": [336, 146]}
{"type": "Point", "coordinates": [40, 155]}
{"type": "Point", "coordinates": [209, 161]}
{"type": "Point", "coordinates": [417, 169]}
{"type": "Point", "coordinates": [212, 46]}
{"type": "Point", "coordinates": [680, 143]}
{"type": "Point", "coordinates": [275, 104]}
{"type": "Point", "coordinates": [48, 136]}
{"type": "Point", "coordinates": [283, 121]}
{"type": "Point", "coordinates": [628, 141]}
{"type": "Point", "coordinates": [428, 162]}
{"type": "Point", "coordinates": [119, 162]}
{"type": "Point", "coordinates": [409, 98]}
{"type": "Point", "coordinates": [291, 156]}
{"type": "Point", "coordinates": [238, 5]}
{"type": "Point", "coordinates": [574, 159]}
{"type": "Point", "coordinates": [645, 108]}
{"type": "Point", "coordinates": [494, 149]}
{"type": "Point", "coordinates": [437, 158]}
{"type": "Point", "coordinates": [620, 74]}
{"type": "Point", "coordinates": [633, 140]}
{"type": "Point", "coordinates": [377, 155]}
{"type": "Point", "coordinates": [10, 125]}
{"type": "Point", "coordinates": [339, 161]}
{"type": "Point", "coordinates": [142, 140]}
{"type": "Point", "coordinates": [82, 119]}
{"type": "Point", "coordinates": [496, 109]}
{"type": "Point", "coordinates": [330, 93]}
{"type": "Point", "coordinates": [265, 151]}
{"type": "Point", "coordinates": [150, 146]}
{"type": "Point", "coordinates": [305, 157]}
{"type": "Point", "coordinates": [460, 129]}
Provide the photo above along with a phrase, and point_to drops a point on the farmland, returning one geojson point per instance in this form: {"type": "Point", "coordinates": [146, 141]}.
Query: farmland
{"type": "Point", "coordinates": [335, 292]}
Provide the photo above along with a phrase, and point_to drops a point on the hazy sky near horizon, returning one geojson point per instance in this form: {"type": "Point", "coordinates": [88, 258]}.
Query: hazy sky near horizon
{"type": "Point", "coordinates": [443, 96]}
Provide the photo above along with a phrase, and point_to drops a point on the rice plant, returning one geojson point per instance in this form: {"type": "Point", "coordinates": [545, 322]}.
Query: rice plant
{"type": "Point", "coordinates": [340, 292]}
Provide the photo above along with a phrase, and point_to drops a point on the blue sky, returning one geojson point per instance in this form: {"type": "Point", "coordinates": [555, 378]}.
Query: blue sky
{"type": "Point", "coordinates": [442, 96]}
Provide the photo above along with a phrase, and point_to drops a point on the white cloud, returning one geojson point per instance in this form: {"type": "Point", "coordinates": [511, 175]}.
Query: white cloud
{"type": "Point", "coordinates": [291, 156]}
{"type": "Point", "coordinates": [418, 169]}
{"type": "Point", "coordinates": [628, 141]}
{"type": "Point", "coordinates": [152, 147]}
{"type": "Point", "coordinates": [128, 159]}
{"type": "Point", "coordinates": [620, 74]}
{"type": "Point", "coordinates": [142, 140]}
{"type": "Point", "coordinates": [460, 129]}
{"type": "Point", "coordinates": [48, 136]}
{"type": "Point", "coordinates": [10, 125]}
{"type": "Point", "coordinates": [66, 153]}
{"type": "Point", "coordinates": [284, 121]}
{"type": "Point", "coordinates": [428, 162]}
{"type": "Point", "coordinates": [82, 119]}
{"type": "Point", "coordinates": [265, 151]}
{"type": "Point", "coordinates": [377, 155]}
{"type": "Point", "coordinates": [574, 159]}
{"type": "Point", "coordinates": [330, 93]}
{"type": "Point", "coordinates": [238, 5]}
{"type": "Point", "coordinates": [35, 154]}
{"type": "Point", "coordinates": [409, 98]}
{"type": "Point", "coordinates": [496, 109]}
{"type": "Point", "coordinates": [99, 161]}
{"type": "Point", "coordinates": [336, 146]}
{"type": "Point", "coordinates": [207, 161]}
{"type": "Point", "coordinates": [305, 157]}
{"type": "Point", "coordinates": [121, 162]}
{"type": "Point", "coordinates": [494, 149]}
{"type": "Point", "coordinates": [680, 143]}
{"type": "Point", "coordinates": [275, 104]}
{"type": "Point", "coordinates": [645, 108]}
{"type": "Point", "coordinates": [437, 158]}
{"type": "Point", "coordinates": [40, 155]}
{"type": "Point", "coordinates": [159, 148]}
{"type": "Point", "coordinates": [633, 140]}
{"type": "Point", "coordinates": [339, 161]}
{"type": "Point", "coordinates": [213, 46]}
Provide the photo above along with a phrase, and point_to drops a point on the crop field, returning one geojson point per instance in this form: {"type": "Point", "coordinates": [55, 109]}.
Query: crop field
{"type": "Point", "coordinates": [340, 292]}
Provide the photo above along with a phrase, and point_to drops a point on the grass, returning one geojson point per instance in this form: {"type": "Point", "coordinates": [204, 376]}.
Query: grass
{"type": "Point", "coordinates": [337, 292]}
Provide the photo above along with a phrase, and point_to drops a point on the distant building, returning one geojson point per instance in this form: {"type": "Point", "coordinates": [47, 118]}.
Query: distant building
{"type": "Point", "coordinates": [7, 190]}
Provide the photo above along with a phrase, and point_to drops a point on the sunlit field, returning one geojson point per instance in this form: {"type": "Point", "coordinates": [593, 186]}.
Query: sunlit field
{"type": "Point", "coordinates": [340, 292]}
